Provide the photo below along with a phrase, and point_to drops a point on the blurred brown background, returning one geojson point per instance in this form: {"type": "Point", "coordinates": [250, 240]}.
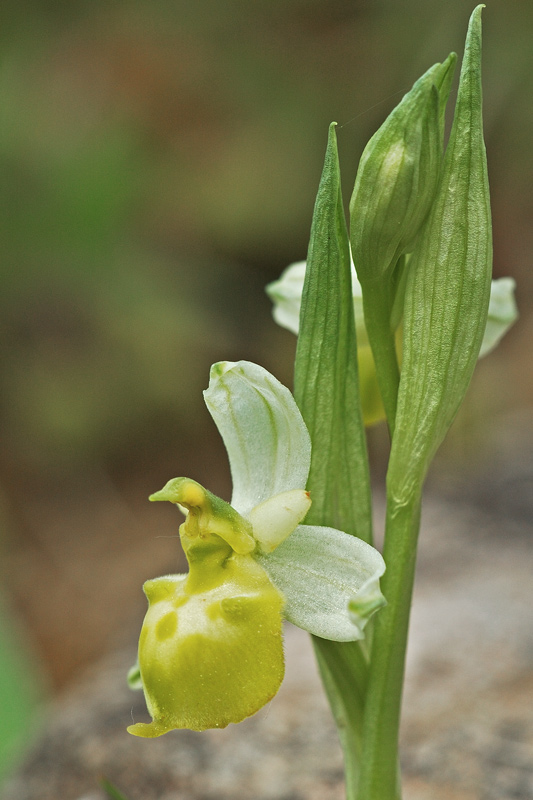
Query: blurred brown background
{"type": "Point", "coordinates": [158, 163]}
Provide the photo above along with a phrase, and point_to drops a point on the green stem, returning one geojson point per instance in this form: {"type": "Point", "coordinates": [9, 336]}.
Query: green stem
{"type": "Point", "coordinates": [379, 778]}
{"type": "Point", "coordinates": [344, 671]}
{"type": "Point", "coordinates": [377, 309]}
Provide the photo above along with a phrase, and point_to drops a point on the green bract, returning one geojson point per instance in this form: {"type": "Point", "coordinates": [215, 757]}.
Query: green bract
{"type": "Point", "coordinates": [447, 290]}
{"type": "Point", "coordinates": [326, 374]}
{"type": "Point", "coordinates": [286, 295]}
{"type": "Point", "coordinates": [210, 650]}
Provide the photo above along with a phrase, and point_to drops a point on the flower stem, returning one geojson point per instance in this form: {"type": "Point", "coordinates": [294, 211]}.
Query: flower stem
{"type": "Point", "coordinates": [344, 671]}
{"type": "Point", "coordinates": [379, 776]}
{"type": "Point", "coordinates": [377, 308]}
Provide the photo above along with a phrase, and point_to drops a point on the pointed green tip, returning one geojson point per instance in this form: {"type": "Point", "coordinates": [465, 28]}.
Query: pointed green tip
{"type": "Point", "coordinates": [160, 495]}
{"type": "Point", "coordinates": [220, 368]}
{"type": "Point", "coordinates": [332, 135]}
{"type": "Point", "coordinates": [476, 13]}
{"type": "Point", "coordinates": [147, 730]}
{"type": "Point", "coordinates": [182, 492]}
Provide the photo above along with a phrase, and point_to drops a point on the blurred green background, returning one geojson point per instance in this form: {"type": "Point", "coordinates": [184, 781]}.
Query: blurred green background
{"type": "Point", "coordinates": [158, 166]}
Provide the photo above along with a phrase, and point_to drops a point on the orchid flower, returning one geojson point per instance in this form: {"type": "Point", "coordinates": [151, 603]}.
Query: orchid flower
{"type": "Point", "coordinates": [211, 649]}
{"type": "Point", "coordinates": [286, 295]}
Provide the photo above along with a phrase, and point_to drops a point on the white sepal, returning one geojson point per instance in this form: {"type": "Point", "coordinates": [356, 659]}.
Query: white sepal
{"type": "Point", "coordinates": [274, 519]}
{"type": "Point", "coordinates": [268, 445]}
{"type": "Point", "coordinates": [320, 571]}
{"type": "Point", "coordinates": [502, 313]}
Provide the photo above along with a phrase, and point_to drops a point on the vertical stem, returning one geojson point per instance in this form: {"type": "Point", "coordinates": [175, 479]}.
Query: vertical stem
{"type": "Point", "coordinates": [344, 671]}
{"type": "Point", "coordinates": [379, 778]}
{"type": "Point", "coordinates": [377, 309]}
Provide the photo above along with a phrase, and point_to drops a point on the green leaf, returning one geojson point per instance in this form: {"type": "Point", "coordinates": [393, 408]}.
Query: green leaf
{"type": "Point", "coordinates": [326, 376]}
{"type": "Point", "coordinates": [330, 581]}
{"type": "Point", "coordinates": [447, 291]}
{"type": "Point", "coordinates": [327, 392]}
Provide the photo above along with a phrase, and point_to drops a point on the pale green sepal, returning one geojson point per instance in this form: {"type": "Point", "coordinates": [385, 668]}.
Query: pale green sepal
{"type": "Point", "coordinates": [320, 571]}
{"type": "Point", "coordinates": [503, 313]}
{"type": "Point", "coordinates": [274, 519]}
{"type": "Point", "coordinates": [268, 445]}
{"type": "Point", "coordinates": [134, 678]}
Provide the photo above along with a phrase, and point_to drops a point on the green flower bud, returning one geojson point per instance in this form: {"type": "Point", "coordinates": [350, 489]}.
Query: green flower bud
{"type": "Point", "coordinates": [394, 190]}
{"type": "Point", "coordinates": [398, 175]}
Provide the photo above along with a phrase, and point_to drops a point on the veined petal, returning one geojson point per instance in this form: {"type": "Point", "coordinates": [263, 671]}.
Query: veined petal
{"type": "Point", "coordinates": [330, 581]}
{"type": "Point", "coordinates": [502, 313]}
{"type": "Point", "coordinates": [268, 445]}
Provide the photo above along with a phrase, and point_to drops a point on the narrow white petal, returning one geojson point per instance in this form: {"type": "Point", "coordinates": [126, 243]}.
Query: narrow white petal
{"type": "Point", "coordinates": [330, 581]}
{"type": "Point", "coordinates": [268, 444]}
{"type": "Point", "coordinates": [276, 518]}
{"type": "Point", "coordinates": [502, 313]}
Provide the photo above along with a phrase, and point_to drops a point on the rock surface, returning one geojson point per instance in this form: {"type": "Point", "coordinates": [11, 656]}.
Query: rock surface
{"type": "Point", "coordinates": [468, 710]}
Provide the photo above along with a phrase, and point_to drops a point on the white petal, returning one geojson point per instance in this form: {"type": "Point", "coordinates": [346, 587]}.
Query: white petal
{"type": "Point", "coordinates": [276, 518]}
{"type": "Point", "coordinates": [268, 444]}
{"type": "Point", "coordinates": [286, 294]}
{"type": "Point", "coordinates": [502, 313]}
{"type": "Point", "coordinates": [321, 571]}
